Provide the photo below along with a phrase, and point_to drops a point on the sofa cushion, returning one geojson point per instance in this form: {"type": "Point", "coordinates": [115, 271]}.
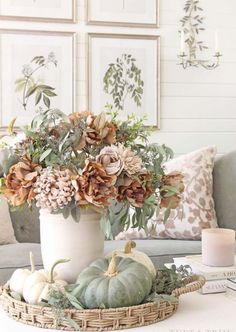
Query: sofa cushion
{"type": "Point", "coordinates": [26, 225]}
{"type": "Point", "coordinates": [196, 210]}
{"type": "Point", "coordinates": [14, 256]}
{"type": "Point", "coordinates": [225, 190]}
{"type": "Point", "coordinates": [6, 230]}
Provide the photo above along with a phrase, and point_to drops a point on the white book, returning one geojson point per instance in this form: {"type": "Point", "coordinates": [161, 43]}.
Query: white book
{"type": "Point", "coordinates": [214, 286]}
{"type": "Point", "coordinates": [231, 283]}
{"type": "Point", "coordinates": [210, 273]}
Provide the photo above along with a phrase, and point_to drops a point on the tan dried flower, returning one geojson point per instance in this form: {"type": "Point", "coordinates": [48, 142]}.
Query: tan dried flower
{"type": "Point", "coordinates": [110, 138]}
{"type": "Point", "coordinates": [95, 186]}
{"type": "Point", "coordinates": [76, 117]}
{"type": "Point", "coordinates": [137, 190]}
{"type": "Point", "coordinates": [54, 189]}
{"type": "Point", "coordinates": [99, 130]}
{"type": "Point", "coordinates": [111, 160]}
{"type": "Point", "coordinates": [173, 179]}
{"type": "Point", "coordinates": [19, 184]}
{"type": "Point", "coordinates": [132, 162]}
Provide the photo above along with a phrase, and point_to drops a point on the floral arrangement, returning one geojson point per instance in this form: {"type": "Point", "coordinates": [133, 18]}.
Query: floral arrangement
{"type": "Point", "coordinates": [66, 163]}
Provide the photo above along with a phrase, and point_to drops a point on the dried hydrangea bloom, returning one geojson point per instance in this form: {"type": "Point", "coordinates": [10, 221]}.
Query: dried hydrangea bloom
{"type": "Point", "coordinates": [95, 186]}
{"type": "Point", "coordinates": [19, 184]}
{"type": "Point", "coordinates": [54, 189]}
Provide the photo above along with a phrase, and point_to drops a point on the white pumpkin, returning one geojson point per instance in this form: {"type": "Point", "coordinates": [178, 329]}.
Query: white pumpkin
{"type": "Point", "coordinates": [38, 284]}
{"type": "Point", "coordinates": [20, 276]}
{"type": "Point", "coordinates": [137, 256]}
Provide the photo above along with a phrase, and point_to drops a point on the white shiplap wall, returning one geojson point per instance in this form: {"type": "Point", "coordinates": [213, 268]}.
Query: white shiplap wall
{"type": "Point", "coordinates": [198, 107]}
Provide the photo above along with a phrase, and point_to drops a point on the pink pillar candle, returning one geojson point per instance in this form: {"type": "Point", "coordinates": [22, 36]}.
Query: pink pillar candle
{"type": "Point", "coordinates": [218, 247]}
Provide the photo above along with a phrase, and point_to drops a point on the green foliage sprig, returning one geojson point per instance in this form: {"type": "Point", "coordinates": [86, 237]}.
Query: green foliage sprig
{"type": "Point", "coordinates": [192, 26]}
{"type": "Point", "coordinates": [166, 281]}
{"type": "Point", "coordinates": [59, 300]}
{"type": "Point", "coordinates": [169, 279]}
{"type": "Point", "coordinates": [122, 79]}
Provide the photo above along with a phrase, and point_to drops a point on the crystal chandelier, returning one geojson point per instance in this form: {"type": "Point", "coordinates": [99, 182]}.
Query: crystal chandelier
{"type": "Point", "coordinates": [191, 46]}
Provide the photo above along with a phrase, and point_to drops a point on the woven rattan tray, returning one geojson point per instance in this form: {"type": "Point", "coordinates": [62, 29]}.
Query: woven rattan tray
{"type": "Point", "coordinates": [97, 319]}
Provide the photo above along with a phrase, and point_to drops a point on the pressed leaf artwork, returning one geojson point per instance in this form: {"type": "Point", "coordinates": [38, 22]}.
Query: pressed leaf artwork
{"type": "Point", "coordinates": [123, 79]}
{"type": "Point", "coordinates": [30, 85]}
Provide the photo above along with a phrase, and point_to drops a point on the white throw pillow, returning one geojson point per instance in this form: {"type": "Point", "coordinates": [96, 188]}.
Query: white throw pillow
{"type": "Point", "coordinates": [196, 210]}
{"type": "Point", "coordinates": [7, 235]}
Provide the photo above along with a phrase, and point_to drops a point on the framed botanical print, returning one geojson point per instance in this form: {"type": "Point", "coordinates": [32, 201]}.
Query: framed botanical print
{"type": "Point", "coordinates": [37, 70]}
{"type": "Point", "coordinates": [124, 75]}
{"type": "Point", "coordinates": [39, 10]}
{"type": "Point", "coordinates": [139, 13]}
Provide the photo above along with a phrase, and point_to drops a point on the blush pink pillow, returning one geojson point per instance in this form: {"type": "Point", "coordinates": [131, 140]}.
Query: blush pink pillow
{"type": "Point", "coordinates": [196, 210]}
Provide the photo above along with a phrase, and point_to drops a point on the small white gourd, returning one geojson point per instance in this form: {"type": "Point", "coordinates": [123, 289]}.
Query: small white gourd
{"type": "Point", "coordinates": [20, 276]}
{"type": "Point", "coordinates": [38, 284]}
{"type": "Point", "coordinates": [137, 256]}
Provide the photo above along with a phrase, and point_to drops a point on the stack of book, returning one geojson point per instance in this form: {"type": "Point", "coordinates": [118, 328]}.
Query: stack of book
{"type": "Point", "coordinates": [231, 288]}
{"type": "Point", "coordinates": [216, 277]}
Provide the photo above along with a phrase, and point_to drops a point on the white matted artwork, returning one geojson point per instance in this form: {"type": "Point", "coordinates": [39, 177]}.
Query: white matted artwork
{"type": "Point", "coordinates": [140, 13]}
{"type": "Point", "coordinates": [17, 49]}
{"type": "Point", "coordinates": [105, 49]}
{"type": "Point", "coordinates": [39, 10]}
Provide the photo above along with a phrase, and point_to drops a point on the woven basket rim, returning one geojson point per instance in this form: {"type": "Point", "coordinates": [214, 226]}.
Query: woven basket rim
{"type": "Point", "coordinates": [97, 319]}
{"type": "Point", "coordinates": [6, 294]}
{"type": "Point", "coordinates": [192, 283]}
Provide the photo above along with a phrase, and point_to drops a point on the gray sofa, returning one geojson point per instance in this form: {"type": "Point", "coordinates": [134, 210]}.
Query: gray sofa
{"type": "Point", "coordinates": [26, 227]}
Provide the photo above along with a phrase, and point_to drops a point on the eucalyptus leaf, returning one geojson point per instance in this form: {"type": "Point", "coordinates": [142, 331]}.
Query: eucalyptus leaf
{"type": "Point", "coordinates": [45, 154]}
{"type": "Point", "coordinates": [66, 212]}
{"type": "Point", "coordinates": [74, 301]}
{"type": "Point", "coordinates": [106, 227]}
{"type": "Point", "coordinates": [75, 213]}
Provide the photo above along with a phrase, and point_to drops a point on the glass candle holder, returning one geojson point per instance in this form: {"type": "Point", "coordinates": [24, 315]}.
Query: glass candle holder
{"type": "Point", "coordinates": [218, 247]}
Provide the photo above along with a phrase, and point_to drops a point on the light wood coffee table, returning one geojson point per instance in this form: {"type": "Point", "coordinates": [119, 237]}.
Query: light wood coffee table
{"type": "Point", "coordinates": [196, 313]}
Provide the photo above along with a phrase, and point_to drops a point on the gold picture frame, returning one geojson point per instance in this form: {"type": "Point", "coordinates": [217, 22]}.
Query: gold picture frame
{"type": "Point", "coordinates": [157, 88]}
{"type": "Point", "coordinates": [118, 23]}
{"type": "Point", "coordinates": [50, 19]}
{"type": "Point", "coordinates": [68, 64]}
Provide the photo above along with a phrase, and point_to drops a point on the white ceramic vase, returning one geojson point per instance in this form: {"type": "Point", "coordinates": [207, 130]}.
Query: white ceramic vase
{"type": "Point", "coordinates": [81, 242]}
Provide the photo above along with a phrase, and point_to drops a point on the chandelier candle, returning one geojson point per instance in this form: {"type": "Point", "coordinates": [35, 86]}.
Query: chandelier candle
{"type": "Point", "coordinates": [217, 50]}
{"type": "Point", "coordinates": [218, 247]}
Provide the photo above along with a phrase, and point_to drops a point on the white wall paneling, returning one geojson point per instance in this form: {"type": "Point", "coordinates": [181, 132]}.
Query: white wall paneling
{"type": "Point", "coordinates": [198, 107]}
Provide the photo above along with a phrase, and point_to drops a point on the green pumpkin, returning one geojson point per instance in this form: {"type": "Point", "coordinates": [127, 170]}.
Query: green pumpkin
{"type": "Point", "coordinates": [113, 283]}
